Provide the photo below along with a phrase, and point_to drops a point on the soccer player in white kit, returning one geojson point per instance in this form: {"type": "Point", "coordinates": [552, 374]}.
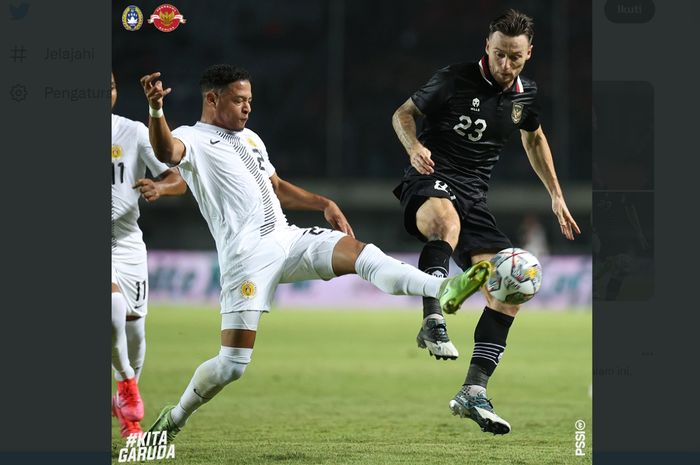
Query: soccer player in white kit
{"type": "Point", "coordinates": [240, 195]}
{"type": "Point", "coordinates": [131, 155]}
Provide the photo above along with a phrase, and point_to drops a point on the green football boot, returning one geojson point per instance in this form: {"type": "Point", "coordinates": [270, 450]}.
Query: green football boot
{"type": "Point", "coordinates": [457, 289]}
{"type": "Point", "coordinates": [165, 422]}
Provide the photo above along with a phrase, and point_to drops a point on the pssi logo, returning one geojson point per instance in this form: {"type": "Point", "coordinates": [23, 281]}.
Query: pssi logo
{"type": "Point", "coordinates": [132, 18]}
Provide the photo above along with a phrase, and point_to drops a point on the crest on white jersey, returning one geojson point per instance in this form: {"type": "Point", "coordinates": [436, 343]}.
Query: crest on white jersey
{"type": "Point", "coordinates": [116, 151]}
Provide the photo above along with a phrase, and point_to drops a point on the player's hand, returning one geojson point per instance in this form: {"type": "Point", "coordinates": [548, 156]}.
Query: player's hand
{"type": "Point", "coordinates": [153, 88]}
{"type": "Point", "coordinates": [148, 189]}
{"type": "Point", "coordinates": [420, 159]}
{"type": "Point", "coordinates": [566, 221]}
{"type": "Point", "coordinates": [336, 219]}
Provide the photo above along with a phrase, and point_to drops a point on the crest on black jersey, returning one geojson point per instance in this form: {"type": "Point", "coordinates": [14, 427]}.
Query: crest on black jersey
{"type": "Point", "coordinates": [517, 113]}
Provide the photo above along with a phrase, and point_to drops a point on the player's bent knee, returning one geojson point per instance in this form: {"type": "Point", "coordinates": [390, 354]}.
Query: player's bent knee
{"type": "Point", "coordinates": [448, 230]}
{"type": "Point", "coordinates": [345, 254]}
{"type": "Point", "coordinates": [231, 364]}
{"type": "Point", "coordinates": [439, 224]}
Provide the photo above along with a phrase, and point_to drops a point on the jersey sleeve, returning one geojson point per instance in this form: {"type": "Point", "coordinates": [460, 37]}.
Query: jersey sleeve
{"type": "Point", "coordinates": [146, 152]}
{"type": "Point", "coordinates": [433, 95]}
{"type": "Point", "coordinates": [531, 121]}
{"type": "Point", "coordinates": [187, 138]}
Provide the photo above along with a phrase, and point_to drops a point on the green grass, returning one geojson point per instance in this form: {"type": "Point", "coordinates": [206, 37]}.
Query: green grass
{"type": "Point", "coordinates": [350, 387]}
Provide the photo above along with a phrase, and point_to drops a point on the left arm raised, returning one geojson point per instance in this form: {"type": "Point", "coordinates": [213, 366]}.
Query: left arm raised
{"type": "Point", "coordinates": [540, 156]}
{"type": "Point", "coordinates": [296, 198]}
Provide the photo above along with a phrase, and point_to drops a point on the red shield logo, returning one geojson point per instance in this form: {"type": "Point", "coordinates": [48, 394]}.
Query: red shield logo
{"type": "Point", "coordinates": [166, 18]}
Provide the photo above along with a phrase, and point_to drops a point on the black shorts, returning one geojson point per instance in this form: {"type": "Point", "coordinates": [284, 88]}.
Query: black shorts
{"type": "Point", "coordinates": [478, 230]}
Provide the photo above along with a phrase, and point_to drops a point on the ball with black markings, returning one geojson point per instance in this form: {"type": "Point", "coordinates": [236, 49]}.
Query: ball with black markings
{"type": "Point", "coordinates": [516, 277]}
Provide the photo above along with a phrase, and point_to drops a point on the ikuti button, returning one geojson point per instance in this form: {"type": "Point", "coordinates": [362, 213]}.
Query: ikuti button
{"type": "Point", "coordinates": [629, 11]}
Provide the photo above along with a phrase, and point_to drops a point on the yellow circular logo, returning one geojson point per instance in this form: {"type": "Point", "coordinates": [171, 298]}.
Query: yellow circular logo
{"type": "Point", "coordinates": [116, 151]}
{"type": "Point", "coordinates": [248, 289]}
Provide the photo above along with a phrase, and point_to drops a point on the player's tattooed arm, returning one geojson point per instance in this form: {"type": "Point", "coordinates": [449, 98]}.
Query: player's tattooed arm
{"type": "Point", "coordinates": [169, 183]}
{"type": "Point", "coordinates": [167, 148]}
{"type": "Point", "coordinates": [404, 122]}
{"type": "Point", "coordinates": [540, 156]}
{"type": "Point", "coordinates": [295, 198]}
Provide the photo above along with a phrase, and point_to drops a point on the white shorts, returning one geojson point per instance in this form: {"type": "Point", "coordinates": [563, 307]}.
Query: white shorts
{"type": "Point", "coordinates": [245, 319]}
{"type": "Point", "coordinates": [290, 255]}
{"type": "Point", "coordinates": [132, 279]}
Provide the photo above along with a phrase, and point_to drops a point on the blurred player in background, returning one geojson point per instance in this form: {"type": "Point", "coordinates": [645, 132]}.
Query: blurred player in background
{"type": "Point", "coordinates": [131, 155]}
{"type": "Point", "coordinates": [618, 241]}
{"type": "Point", "coordinates": [470, 110]}
{"type": "Point", "coordinates": [241, 196]}
{"type": "Point", "coordinates": [533, 236]}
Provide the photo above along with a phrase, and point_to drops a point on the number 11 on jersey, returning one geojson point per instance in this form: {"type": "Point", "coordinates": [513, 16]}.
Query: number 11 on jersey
{"type": "Point", "coordinates": [120, 165]}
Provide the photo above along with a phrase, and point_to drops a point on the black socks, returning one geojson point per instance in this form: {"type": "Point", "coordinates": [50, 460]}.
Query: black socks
{"type": "Point", "coordinates": [435, 260]}
{"type": "Point", "coordinates": [489, 343]}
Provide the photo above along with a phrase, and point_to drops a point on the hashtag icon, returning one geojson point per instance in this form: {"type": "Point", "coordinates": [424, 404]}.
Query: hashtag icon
{"type": "Point", "coordinates": [18, 54]}
{"type": "Point", "coordinates": [132, 439]}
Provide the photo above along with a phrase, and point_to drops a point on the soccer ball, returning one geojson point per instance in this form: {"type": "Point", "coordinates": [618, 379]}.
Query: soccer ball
{"type": "Point", "coordinates": [516, 278]}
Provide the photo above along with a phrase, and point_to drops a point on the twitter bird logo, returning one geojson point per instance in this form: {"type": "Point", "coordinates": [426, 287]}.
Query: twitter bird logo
{"type": "Point", "coordinates": [20, 11]}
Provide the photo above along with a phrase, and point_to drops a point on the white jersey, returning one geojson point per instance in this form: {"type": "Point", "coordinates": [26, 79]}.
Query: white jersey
{"type": "Point", "coordinates": [228, 173]}
{"type": "Point", "coordinates": [131, 155]}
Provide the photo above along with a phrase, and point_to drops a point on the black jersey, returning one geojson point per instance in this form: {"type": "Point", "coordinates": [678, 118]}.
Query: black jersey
{"type": "Point", "coordinates": [468, 120]}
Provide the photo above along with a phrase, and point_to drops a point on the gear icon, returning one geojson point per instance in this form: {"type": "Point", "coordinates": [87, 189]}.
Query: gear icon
{"type": "Point", "coordinates": [18, 92]}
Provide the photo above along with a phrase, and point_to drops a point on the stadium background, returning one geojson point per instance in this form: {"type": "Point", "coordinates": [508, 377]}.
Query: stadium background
{"type": "Point", "coordinates": [327, 77]}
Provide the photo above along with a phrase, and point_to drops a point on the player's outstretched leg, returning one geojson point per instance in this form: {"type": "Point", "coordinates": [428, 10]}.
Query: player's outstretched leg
{"type": "Point", "coordinates": [165, 422]}
{"type": "Point", "coordinates": [432, 335]}
{"type": "Point", "coordinates": [457, 289]}
{"type": "Point", "coordinates": [208, 380]}
{"type": "Point", "coordinates": [397, 278]}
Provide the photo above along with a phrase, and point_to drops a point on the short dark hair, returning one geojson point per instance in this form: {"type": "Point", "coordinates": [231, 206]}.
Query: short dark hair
{"type": "Point", "coordinates": [513, 23]}
{"type": "Point", "coordinates": [216, 77]}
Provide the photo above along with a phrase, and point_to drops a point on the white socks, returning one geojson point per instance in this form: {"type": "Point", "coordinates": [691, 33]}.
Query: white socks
{"type": "Point", "coordinates": [209, 379]}
{"type": "Point", "coordinates": [136, 344]}
{"type": "Point", "coordinates": [394, 277]}
{"type": "Point", "coordinates": [120, 355]}
{"type": "Point", "coordinates": [476, 390]}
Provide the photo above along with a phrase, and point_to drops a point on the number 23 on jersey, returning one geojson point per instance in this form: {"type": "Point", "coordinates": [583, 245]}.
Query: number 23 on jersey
{"type": "Point", "coordinates": [474, 130]}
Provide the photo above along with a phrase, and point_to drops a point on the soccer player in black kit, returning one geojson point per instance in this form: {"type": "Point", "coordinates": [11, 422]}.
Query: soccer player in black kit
{"type": "Point", "coordinates": [470, 110]}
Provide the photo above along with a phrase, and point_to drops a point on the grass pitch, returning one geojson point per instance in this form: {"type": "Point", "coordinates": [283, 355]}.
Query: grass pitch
{"type": "Point", "coordinates": [351, 387]}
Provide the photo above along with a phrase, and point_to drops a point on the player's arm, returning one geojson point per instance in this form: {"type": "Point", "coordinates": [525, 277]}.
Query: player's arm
{"type": "Point", "coordinates": [404, 122]}
{"type": "Point", "coordinates": [168, 183]}
{"type": "Point", "coordinates": [167, 148]}
{"type": "Point", "coordinates": [296, 198]}
{"type": "Point", "coordinates": [540, 156]}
